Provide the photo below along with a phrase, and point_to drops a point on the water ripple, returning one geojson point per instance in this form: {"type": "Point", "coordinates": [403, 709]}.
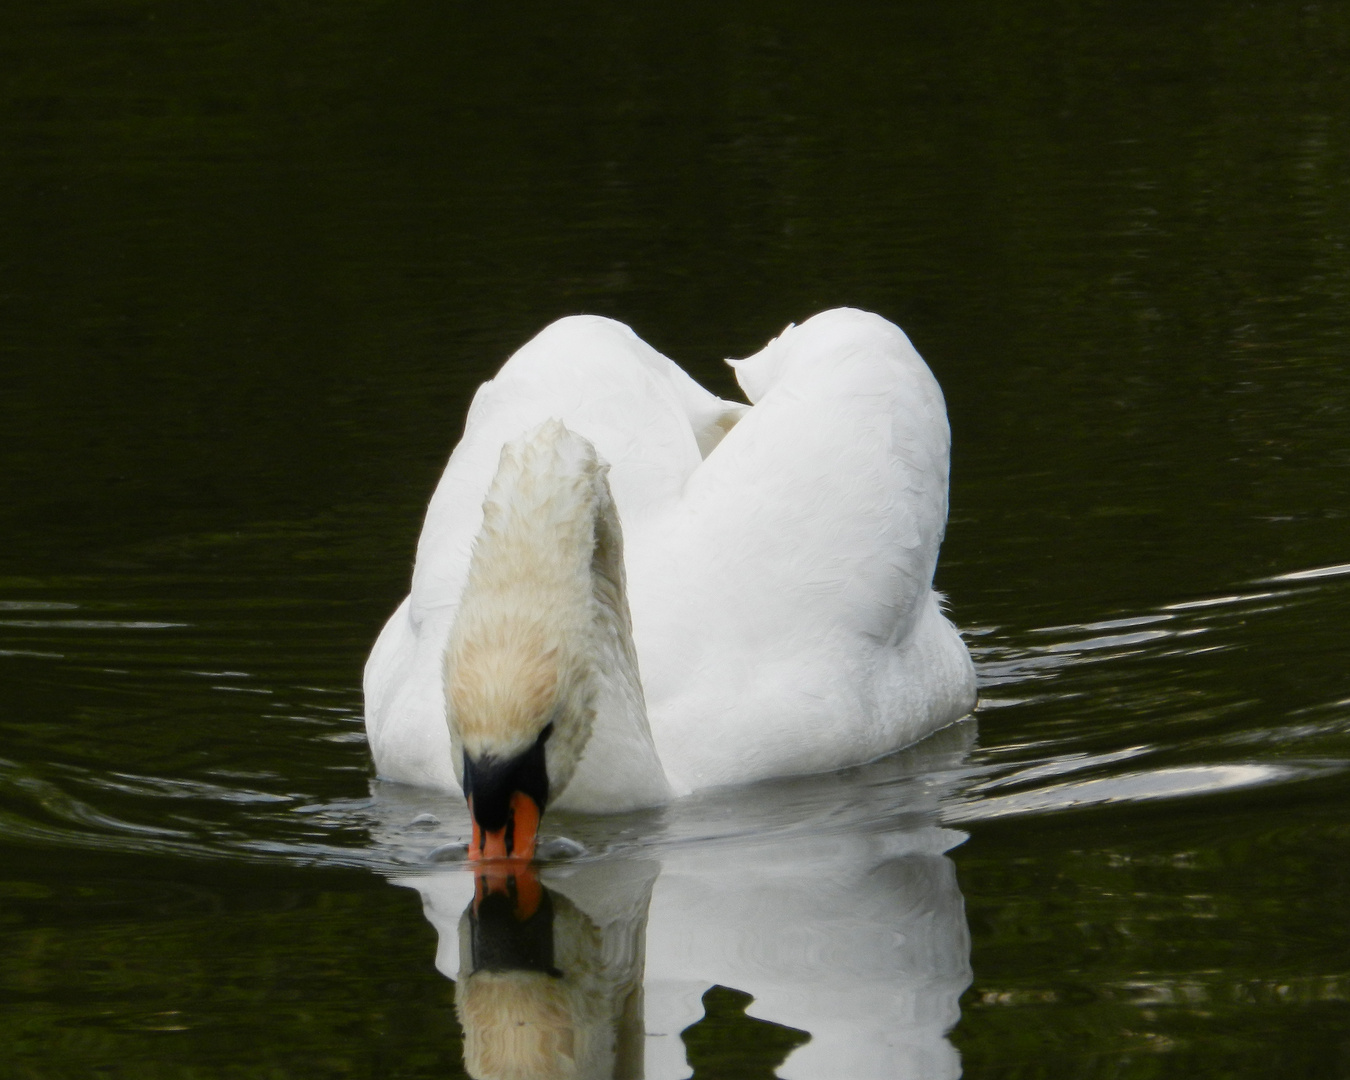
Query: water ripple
{"type": "Point", "coordinates": [1070, 715]}
{"type": "Point", "coordinates": [1167, 783]}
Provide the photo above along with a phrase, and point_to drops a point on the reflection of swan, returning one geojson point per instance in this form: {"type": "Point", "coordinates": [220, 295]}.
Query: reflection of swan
{"type": "Point", "coordinates": [830, 900]}
{"type": "Point", "coordinates": [863, 944]}
{"type": "Point", "coordinates": [779, 562]}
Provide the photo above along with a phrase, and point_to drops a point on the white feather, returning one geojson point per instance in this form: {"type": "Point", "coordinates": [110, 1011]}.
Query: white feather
{"type": "Point", "coordinates": [779, 559]}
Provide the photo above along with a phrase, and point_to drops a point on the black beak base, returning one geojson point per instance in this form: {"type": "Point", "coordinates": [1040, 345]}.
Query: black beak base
{"type": "Point", "coordinates": [490, 782]}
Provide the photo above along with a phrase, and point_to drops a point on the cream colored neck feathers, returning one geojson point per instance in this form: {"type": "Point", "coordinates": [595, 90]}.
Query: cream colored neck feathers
{"type": "Point", "coordinates": [543, 633]}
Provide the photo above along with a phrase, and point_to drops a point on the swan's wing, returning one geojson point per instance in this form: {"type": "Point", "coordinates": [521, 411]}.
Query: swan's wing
{"type": "Point", "coordinates": [646, 419]}
{"type": "Point", "coordinates": [771, 602]}
{"type": "Point", "coordinates": [405, 701]}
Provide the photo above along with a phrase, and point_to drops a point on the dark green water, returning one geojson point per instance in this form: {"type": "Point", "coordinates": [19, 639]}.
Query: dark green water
{"type": "Point", "coordinates": [255, 258]}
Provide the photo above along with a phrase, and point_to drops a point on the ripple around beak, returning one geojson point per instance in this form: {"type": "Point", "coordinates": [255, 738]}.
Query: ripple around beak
{"type": "Point", "coordinates": [457, 851]}
{"type": "Point", "coordinates": [549, 849]}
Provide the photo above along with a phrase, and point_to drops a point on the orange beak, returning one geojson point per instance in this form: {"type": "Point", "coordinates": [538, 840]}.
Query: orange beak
{"type": "Point", "coordinates": [515, 839]}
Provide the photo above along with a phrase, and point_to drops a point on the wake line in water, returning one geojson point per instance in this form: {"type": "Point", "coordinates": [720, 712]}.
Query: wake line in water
{"type": "Point", "coordinates": [1165, 783]}
{"type": "Point", "coordinates": [1108, 675]}
{"type": "Point", "coordinates": [1015, 662]}
{"type": "Point", "coordinates": [1340, 570]}
{"type": "Point", "coordinates": [38, 811]}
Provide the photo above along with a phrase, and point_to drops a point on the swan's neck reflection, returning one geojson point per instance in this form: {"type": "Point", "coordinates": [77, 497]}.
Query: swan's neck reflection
{"type": "Point", "coordinates": [545, 989]}
{"type": "Point", "coordinates": [511, 923]}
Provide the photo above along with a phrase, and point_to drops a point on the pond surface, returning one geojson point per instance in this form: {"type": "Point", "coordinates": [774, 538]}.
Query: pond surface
{"type": "Point", "coordinates": [255, 259]}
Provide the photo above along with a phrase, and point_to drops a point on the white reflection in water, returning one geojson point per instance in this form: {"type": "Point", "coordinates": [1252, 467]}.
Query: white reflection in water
{"type": "Point", "coordinates": [862, 943]}
{"type": "Point", "coordinates": [843, 920]}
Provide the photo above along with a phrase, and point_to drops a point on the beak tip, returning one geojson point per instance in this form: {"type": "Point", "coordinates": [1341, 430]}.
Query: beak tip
{"type": "Point", "coordinates": [515, 840]}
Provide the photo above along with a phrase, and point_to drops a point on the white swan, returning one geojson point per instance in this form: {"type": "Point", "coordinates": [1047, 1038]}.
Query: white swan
{"type": "Point", "coordinates": [779, 562]}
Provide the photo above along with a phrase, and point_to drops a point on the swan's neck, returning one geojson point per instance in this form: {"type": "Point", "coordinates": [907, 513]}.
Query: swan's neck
{"type": "Point", "coordinates": [543, 635]}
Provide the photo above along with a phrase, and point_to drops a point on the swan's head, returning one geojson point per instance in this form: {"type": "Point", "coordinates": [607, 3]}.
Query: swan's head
{"type": "Point", "coordinates": [520, 665]}
{"type": "Point", "coordinates": [521, 714]}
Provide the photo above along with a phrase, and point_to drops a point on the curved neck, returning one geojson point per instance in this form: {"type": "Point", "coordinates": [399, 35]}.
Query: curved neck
{"type": "Point", "coordinates": [620, 768]}
{"type": "Point", "coordinates": [543, 633]}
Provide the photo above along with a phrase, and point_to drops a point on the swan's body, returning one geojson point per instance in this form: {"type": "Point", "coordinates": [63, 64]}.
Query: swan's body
{"type": "Point", "coordinates": [779, 564]}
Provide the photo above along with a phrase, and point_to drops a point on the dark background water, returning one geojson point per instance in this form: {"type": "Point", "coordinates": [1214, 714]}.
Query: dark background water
{"type": "Point", "coordinates": [255, 258]}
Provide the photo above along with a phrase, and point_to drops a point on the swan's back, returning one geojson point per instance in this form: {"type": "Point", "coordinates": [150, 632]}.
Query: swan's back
{"type": "Point", "coordinates": [785, 616]}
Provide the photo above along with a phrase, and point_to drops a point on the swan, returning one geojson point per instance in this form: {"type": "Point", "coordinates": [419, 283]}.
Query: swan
{"type": "Point", "coordinates": [627, 589]}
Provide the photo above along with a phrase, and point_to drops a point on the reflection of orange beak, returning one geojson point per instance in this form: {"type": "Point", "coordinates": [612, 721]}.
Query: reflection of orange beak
{"type": "Point", "coordinates": [513, 879]}
{"type": "Point", "coordinates": [515, 839]}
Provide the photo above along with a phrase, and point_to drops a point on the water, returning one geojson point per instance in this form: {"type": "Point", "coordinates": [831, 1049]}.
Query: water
{"type": "Point", "coordinates": [253, 263]}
